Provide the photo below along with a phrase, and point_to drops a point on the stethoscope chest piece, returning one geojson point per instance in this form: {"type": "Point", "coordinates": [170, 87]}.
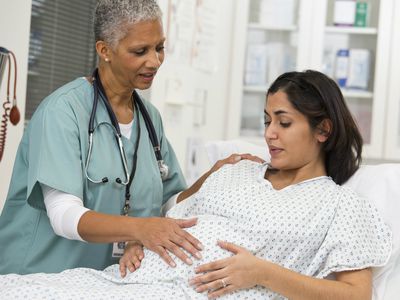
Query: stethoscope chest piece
{"type": "Point", "coordinates": [164, 170]}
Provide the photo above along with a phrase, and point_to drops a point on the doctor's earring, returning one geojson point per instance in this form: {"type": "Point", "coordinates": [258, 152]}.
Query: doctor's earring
{"type": "Point", "coordinates": [107, 60]}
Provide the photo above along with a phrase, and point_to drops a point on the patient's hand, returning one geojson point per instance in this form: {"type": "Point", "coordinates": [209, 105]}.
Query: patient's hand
{"type": "Point", "coordinates": [132, 257]}
{"type": "Point", "coordinates": [227, 275]}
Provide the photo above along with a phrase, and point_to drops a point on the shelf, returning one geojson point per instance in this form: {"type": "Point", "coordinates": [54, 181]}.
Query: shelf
{"type": "Point", "coordinates": [351, 30]}
{"type": "Point", "coordinates": [277, 28]}
{"type": "Point", "coordinates": [348, 93]}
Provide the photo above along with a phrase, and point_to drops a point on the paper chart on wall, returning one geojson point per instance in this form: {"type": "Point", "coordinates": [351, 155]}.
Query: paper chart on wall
{"type": "Point", "coordinates": [204, 44]}
{"type": "Point", "coordinates": [191, 33]}
{"type": "Point", "coordinates": [180, 27]}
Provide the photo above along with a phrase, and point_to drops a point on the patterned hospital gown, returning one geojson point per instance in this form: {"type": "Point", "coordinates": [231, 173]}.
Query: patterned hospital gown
{"type": "Point", "coordinates": [314, 227]}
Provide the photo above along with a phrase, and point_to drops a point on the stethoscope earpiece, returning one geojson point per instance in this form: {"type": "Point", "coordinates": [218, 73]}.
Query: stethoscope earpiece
{"type": "Point", "coordinates": [104, 180]}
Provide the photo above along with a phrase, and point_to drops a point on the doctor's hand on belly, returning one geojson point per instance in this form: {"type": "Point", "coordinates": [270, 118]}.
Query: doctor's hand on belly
{"type": "Point", "coordinates": [164, 235]}
{"type": "Point", "coordinates": [158, 237]}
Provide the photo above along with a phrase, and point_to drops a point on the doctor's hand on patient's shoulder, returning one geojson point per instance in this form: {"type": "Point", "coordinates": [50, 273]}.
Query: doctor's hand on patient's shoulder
{"type": "Point", "coordinates": [224, 276]}
{"type": "Point", "coordinates": [131, 259]}
{"type": "Point", "coordinates": [164, 235]}
{"type": "Point", "coordinates": [233, 159]}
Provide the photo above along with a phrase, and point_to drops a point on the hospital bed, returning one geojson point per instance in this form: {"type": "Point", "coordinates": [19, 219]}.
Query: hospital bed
{"type": "Point", "coordinates": [380, 184]}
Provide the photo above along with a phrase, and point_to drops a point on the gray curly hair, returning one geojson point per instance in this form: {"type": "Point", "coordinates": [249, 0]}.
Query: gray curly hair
{"type": "Point", "coordinates": [111, 17]}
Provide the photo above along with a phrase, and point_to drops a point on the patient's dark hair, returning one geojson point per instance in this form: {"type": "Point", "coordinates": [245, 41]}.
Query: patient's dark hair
{"type": "Point", "coordinates": [318, 98]}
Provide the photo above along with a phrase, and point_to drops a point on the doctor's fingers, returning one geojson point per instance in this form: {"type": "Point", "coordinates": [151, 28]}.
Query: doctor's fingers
{"type": "Point", "coordinates": [194, 242]}
{"type": "Point", "coordinates": [186, 241]}
{"type": "Point", "coordinates": [232, 159]}
{"type": "Point", "coordinates": [176, 246]}
{"type": "Point", "coordinates": [163, 253]}
{"type": "Point", "coordinates": [252, 157]}
{"type": "Point", "coordinates": [171, 246]}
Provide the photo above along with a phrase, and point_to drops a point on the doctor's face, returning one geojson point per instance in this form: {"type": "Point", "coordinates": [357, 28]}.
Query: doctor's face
{"type": "Point", "coordinates": [136, 58]}
{"type": "Point", "coordinates": [292, 143]}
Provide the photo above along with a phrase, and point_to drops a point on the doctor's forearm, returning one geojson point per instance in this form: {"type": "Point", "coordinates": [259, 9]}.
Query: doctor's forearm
{"type": "Point", "coordinates": [233, 159]}
{"type": "Point", "coordinates": [194, 188]}
{"type": "Point", "coordinates": [103, 228]}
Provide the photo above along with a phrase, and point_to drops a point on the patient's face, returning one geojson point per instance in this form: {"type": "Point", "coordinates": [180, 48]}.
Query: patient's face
{"type": "Point", "coordinates": [291, 141]}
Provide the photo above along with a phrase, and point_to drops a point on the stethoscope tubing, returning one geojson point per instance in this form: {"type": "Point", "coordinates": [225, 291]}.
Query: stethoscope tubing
{"type": "Point", "coordinates": [121, 151]}
{"type": "Point", "coordinates": [100, 93]}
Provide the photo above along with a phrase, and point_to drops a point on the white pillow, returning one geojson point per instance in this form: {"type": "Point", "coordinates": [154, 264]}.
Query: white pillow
{"type": "Point", "coordinates": [380, 184]}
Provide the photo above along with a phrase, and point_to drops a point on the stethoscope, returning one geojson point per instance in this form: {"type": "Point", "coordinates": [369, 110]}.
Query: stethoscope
{"type": "Point", "coordinates": [139, 106]}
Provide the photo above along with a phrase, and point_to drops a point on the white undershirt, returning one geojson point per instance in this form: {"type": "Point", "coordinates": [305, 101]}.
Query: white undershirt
{"type": "Point", "coordinates": [65, 210]}
{"type": "Point", "coordinates": [126, 129]}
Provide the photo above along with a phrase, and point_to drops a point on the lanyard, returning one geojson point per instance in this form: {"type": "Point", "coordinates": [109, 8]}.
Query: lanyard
{"type": "Point", "coordinates": [116, 126]}
{"type": "Point", "coordinates": [127, 205]}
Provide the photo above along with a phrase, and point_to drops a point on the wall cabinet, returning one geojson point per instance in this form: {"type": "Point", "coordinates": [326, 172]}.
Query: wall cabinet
{"type": "Point", "coordinates": [310, 39]}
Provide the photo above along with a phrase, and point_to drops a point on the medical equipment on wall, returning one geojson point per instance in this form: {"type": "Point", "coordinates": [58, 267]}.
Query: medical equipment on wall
{"type": "Point", "coordinates": [10, 113]}
{"type": "Point", "coordinates": [139, 106]}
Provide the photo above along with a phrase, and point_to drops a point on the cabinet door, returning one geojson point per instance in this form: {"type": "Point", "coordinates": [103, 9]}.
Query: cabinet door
{"type": "Point", "coordinates": [392, 137]}
{"type": "Point", "coordinates": [269, 40]}
{"type": "Point", "coordinates": [357, 57]}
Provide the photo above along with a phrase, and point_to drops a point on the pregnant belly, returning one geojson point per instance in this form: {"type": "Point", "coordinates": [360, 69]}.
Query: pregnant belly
{"type": "Point", "coordinates": [209, 229]}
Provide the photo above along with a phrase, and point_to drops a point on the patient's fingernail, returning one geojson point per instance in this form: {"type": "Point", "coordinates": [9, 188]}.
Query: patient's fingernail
{"type": "Point", "coordinates": [189, 261]}
{"type": "Point", "coordinates": [200, 246]}
{"type": "Point", "coordinates": [198, 255]}
{"type": "Point", "coordinates": [172, 264]}
{"type": "Point", "coordinates": [191, 282]}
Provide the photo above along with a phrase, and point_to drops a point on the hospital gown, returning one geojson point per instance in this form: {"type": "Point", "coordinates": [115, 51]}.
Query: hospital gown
{"type": "Point", "coordinates": [314, 227]}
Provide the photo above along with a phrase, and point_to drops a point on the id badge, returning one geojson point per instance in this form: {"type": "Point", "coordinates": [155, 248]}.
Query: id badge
{"type": "Point", "coordinates": [118, 249]}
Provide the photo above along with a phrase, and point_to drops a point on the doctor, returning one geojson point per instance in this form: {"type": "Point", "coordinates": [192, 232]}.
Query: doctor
{"type": "Point", "coordinates": [87, 176]}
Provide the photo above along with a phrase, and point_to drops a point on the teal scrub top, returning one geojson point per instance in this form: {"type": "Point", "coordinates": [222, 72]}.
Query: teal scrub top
{"type": "Point", "coordinates": [53, 152]}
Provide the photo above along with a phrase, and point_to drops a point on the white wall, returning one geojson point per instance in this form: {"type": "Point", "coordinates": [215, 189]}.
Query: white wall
{"type": "Point", "coordinates": [180, 87]}
{"type": "Point", "coordinates": [15, 19]}
{"type": "Point", "coordinates": [179, 119]}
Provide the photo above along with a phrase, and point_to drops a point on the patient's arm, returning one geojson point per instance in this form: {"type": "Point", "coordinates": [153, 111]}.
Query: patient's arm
{"type": "Point", "coordinates": [133, 255]}
{"type": "Point", "coordinates": [232, 159]}
{"type": "Point", "coordinates": [348, 285]}
{"type": "Point", "coordinates": [244, 270]}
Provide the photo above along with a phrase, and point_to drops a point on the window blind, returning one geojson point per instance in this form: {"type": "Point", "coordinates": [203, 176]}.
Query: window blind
{"type": "Point", "coordinates": [61, 47]}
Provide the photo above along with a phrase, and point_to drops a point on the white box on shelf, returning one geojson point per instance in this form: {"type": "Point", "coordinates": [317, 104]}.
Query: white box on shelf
{"type": "Point", "coordinates": [256, 64]}
{"type": "Point", "coordinates": [359, 69]}
{"type": "Point", "coordinates": [344, 12]}
{"type": "Point", "coordinates": [277, 13]}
